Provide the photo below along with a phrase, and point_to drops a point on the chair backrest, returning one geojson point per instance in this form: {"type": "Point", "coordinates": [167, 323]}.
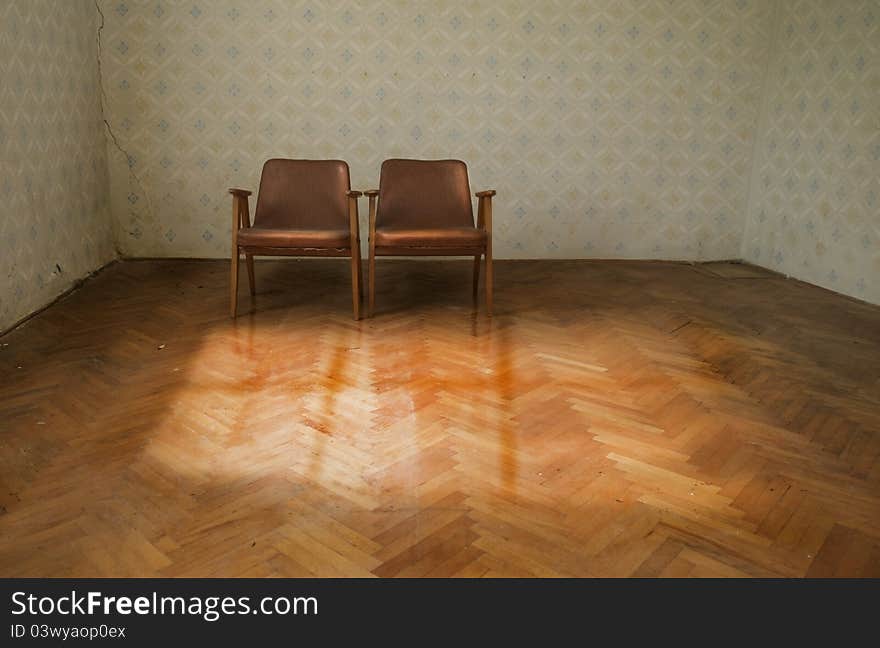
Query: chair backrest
{"type": "Point", "coordinates": [424, 194]}
{"type": "Point", "coordinates": [303, 194]}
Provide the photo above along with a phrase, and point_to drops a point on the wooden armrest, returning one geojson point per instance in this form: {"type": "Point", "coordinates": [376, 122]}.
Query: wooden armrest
{"type": "Point", "coordinates": [241, 216]}
{"type": "Point", "coordinates": [484, 213]}
{"type": "Point", "coordinates": [353, 219]}
{"type": "Point", "coordinates": [371, 193]}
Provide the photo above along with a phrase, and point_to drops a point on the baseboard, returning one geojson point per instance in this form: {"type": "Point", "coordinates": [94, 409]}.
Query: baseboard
{"type": "Point", "coordinates": [74, 286]}
{"type": "Point", "coordinates": [386, 259]}
{"type": "Point", "coordinates": [461, 258]}
{"type": "Point", "coordinates": [79, 282]}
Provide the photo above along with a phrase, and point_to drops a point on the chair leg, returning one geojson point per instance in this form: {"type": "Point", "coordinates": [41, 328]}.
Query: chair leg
{"type": "Point", "coordinates": [249, 259]}
{"type": "Point", "coordinates": [360, 271]}
{"type": "Point", "coordinates": [355, 285]}
{"type": "Point", "coordinates": [476, 278]}
{"type": "Point", "coordinates": [372, 286]}
{"type": "Point", "coordinates": [489, 281]}
{"type": "Point", "coordinates": [233, 284]}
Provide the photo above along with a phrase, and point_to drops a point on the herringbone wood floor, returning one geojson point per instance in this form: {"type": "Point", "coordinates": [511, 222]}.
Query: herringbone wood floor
{"type": "Point", "coordinates": [612, 419]}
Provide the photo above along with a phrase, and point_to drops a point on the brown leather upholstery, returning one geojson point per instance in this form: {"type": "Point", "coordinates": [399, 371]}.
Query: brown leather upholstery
{"type": "Point", "coordinates": [303, 194]}
{"type": "Point", "coordinates": [304, 208]}
{"type": "Point", "coordinates": [424, 194]}
{"type": "Point", "coordinates": [451, 237]}
{"type": "Point", "coordinates": [262, 237]}
{"type": "Point", "coordinates": [423, 208]}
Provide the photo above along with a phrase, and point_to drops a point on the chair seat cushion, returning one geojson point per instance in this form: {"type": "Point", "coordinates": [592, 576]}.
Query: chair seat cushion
{"type": "Point", "coordinates": [447, 237]}
{"type": "Point", "coordinates": [285, 238]}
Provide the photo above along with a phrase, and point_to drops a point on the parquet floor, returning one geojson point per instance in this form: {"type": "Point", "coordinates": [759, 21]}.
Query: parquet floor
{"type": "Point", "coordinates": [612, 419]}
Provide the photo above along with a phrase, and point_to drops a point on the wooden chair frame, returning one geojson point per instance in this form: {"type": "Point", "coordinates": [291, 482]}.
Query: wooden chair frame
{"type": "Point", "coordinates": [484, 222]}
{"type": "Point", "coordinates": [241, 219]}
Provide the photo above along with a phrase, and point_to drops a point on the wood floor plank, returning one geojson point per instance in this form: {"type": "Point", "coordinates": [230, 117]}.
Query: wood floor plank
{"type": "Point", "coordinates": [611, 419]}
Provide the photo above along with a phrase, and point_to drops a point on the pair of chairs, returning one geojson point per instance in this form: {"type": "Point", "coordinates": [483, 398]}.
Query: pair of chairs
{"type": "Point", "coordinates": [307, 208]}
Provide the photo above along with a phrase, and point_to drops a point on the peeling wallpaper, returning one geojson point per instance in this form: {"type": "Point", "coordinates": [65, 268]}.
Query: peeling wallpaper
{"type": "Point", "coordinates": [609, 128]}
{"type": "Point", "coordinates": [55, 226]}
{"type": "Point", "coordinates": [815, 204]}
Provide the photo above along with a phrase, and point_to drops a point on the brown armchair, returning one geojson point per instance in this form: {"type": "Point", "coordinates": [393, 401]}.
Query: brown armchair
{"type": "Point", "coordinates": [424, 208]}
{"type": "Point", "coordinates": [304, 208]}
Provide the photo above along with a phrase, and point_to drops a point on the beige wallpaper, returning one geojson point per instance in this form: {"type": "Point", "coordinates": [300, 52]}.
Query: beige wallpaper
{"type": "Point", "coordinates": [610, 128]}
{"type": "Point", "coordinates": [55, 223]}
{"type": "Point", "coordinates": [815, 207]}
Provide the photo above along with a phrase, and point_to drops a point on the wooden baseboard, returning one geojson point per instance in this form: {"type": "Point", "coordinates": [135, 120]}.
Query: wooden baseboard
{"type": "Point", "coordinates": [75, 286]}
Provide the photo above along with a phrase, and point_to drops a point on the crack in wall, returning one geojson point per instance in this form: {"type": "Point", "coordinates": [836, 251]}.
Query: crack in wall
{"type": "Point", "coordinates": [760, 126]}
{"type": "Point", "coordinates": [133, 178]}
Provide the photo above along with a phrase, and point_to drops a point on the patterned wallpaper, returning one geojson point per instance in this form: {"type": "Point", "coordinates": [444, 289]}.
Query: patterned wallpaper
{"type": "Point", "coordinates": [815, 204]}
{"type": "Point", "coordinates": [611, 128]}
{"type": "Point", "coordinates": [55, 225]}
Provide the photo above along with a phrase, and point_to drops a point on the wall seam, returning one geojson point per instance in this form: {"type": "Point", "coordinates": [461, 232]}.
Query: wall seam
{"type": "Point", "coordinates": [113, 142]}
{"type": "Point", "coordinates": [761, 124]}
